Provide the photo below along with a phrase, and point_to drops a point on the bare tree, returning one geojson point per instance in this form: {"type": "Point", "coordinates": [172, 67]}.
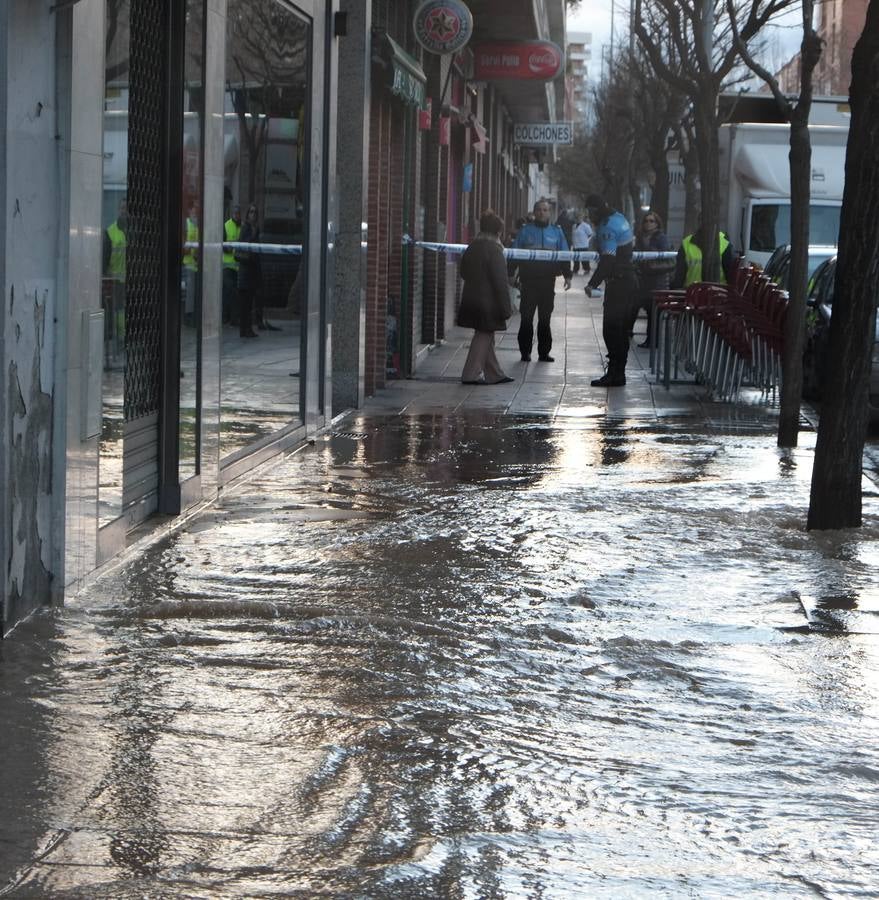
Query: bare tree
{"type": "Point", "coordinates": [836, 476]}
{"type": "Point", "coordinates": [598, 161]}
{"type": "Point", "coordinates": [700, 35]}
{"type": "Point", "coordinates": [657, 113]}
{"type": "Point", "coordinates": [797, 114]}
{"type": "Point", "coordinates": [269, 55]}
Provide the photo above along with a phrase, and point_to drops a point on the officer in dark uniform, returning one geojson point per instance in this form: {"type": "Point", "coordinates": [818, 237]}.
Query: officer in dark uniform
{"type": "Point", "coordinates": [614, 241]}
{"type": "Point", "coordinates": [537, 280]}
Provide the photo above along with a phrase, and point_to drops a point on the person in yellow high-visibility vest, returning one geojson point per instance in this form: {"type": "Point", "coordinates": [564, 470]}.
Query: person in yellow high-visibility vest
{"type": "Point", "coordinates": [688, 265]}
{"type": "Point", "coordinates": [115, 250]}
{"type": "Point", "coordinates": [231, 231]}
{"type": "Point", "coordinates": [190, 263]}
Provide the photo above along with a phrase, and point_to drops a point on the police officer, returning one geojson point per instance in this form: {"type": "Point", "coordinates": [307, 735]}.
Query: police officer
{"type": "Point", "coordinates": [537, 281]}
{"type": "Point", "coordinates": [614, 241]}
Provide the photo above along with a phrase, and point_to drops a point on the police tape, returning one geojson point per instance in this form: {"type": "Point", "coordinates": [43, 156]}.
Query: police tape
{"type": "Point", "coordinates": [452, 249]}
{"type": "Point", "coordinates": [270, 249]}
{"type": "Point", "coordinates": [538, 255]}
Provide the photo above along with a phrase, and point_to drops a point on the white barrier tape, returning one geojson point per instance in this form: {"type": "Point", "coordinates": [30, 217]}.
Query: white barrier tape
{"type": "Point", "coordinates": [542, 255]}
{"type": "Point", "coordinates": [440, 247]}
{"type": "Point", "coordinates": [276, 249]}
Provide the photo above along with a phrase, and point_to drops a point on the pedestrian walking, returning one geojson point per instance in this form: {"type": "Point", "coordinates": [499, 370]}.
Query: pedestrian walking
{"type": "Point", "coordinates": [485, 301]}
{"type": "Point", "coordinates": [653, 274]}
{"type": "Point", "coordinates": [688, 265]}
{"type": "Point", "coordinates": [581, 240]}
{"type": "Point", "coordinates": [537, 281]}
{"type": "Point", "coordinates": [615, 242]}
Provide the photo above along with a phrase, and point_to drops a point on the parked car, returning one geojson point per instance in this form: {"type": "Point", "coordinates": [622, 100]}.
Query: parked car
{"type": "Point", "coordinates": [778, 265]}
{"type": "Point", "coordinates": [819, 309]}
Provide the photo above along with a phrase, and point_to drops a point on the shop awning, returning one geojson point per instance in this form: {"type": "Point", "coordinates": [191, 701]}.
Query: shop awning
{"type": "Point", "coordinates": [407, 76]}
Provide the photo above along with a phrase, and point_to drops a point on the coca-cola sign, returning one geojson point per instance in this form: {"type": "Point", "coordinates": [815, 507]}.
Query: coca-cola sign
{"type": "Point", "coordinates": [531, 60]}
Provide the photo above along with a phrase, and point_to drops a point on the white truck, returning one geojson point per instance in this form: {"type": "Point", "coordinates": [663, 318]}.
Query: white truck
{"type": "Point", "coordinates": [755, 178]}
{"type": "Point", "coordinates": [755, 185]}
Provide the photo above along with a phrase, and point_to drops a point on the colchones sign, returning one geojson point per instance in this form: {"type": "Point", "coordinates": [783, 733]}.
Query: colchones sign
{"type": "Point", "coordinates": [542, 133]}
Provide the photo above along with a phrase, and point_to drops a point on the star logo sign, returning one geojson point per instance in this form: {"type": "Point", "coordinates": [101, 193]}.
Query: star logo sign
{"type": "Point", "coordinates": [442, 24]}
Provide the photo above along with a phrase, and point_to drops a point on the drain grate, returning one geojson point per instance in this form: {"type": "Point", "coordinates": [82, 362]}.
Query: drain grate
{"type": "Point", "coordinates": [353, 435]}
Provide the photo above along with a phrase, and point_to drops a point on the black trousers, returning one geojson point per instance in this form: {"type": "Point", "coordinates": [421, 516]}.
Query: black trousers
{"type": "Point", "coordinates": [536, 296]}
{"type": "Point", "coordinates": [621, 305]}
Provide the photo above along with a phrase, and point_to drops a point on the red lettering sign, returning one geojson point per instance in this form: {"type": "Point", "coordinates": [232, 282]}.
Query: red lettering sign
{"type": "Point", "coordinates": [521, 60]}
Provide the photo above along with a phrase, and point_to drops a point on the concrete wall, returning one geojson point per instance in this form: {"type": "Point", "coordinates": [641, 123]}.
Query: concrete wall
{"type": "Point", "coordinates": [29, 230]}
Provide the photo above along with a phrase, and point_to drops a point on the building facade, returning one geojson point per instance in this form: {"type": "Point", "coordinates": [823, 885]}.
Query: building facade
{"type": "Point", "coordinates": [579, 58]}
{"type": "Point", "coordinates": [132, 131]}
{"type": "Point", "coordinates": [205, 242]}
{"type": "Point", "coordinates": [839, 25]}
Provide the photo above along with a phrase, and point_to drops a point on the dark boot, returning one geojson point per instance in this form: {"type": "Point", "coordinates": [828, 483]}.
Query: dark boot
{"type": "Point", "coordinates": [608, 380]}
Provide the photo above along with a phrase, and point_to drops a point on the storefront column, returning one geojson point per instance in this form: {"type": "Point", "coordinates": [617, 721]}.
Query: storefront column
{"type": "Point", "coordinates": [349, 310]}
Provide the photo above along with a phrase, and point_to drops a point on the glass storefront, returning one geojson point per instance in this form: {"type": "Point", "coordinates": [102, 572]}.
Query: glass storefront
{"type": "Point", "coordinates": [114, 222]}
{"type": "Point", "coordinates": [266, 214]}
{"type": "Point", "coordinates": [192, 240]}
{"type": "Point", "coordinates": [153, 438]}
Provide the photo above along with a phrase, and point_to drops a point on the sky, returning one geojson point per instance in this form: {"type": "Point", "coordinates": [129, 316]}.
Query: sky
{"type": "Point", "coordinates": [595, 16]}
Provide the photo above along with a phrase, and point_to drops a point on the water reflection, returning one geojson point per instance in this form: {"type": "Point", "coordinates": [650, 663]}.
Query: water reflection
{"type": "Point", "coordinates": [114, 216]}
{"type": "Point", "coordinates": [191, 241]}
{"type": "Point", "coordinates": [266, 158]}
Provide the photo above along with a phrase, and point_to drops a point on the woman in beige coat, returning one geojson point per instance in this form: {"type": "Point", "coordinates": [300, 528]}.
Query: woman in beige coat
{"type": "Point", "coordinates": [485, 301]}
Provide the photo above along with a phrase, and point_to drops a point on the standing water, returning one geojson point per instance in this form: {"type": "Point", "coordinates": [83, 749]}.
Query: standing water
{"type": "Point", "coordinates": [464, 657]}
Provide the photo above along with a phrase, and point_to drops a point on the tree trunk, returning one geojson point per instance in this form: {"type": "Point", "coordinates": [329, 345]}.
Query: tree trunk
{"type": "Point", "coordinates": [836, 476]}
{"type": "Point", "coordinates": [708, 149]}
{"type": "Point", "coordinates": [801, 189]}
{"type": "Point", "coordinates": [691, 189]}
{"type": "Point", "coordinates": [659, 194]}
{"type": "Point", "coordinates": [794, 325]}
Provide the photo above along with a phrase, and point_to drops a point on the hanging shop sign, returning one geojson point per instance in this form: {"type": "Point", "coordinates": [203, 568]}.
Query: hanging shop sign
{"type": "Point", "coordinates": [443, 26]}
{"type": "Point", "coordinates": [467, 180]}
{"type": "Point", "coordinates": [407, 76]}
{"type": "Point", "coordinates": [539, 134]}
{"type": "Point", "coordinates": [425, 115]}
{"type": "Point", "coordinates": [445, 131]}
{"type": "Point", "coordinates": [518, 60]}
{"type": "Point", "coordinates": [479, 138]}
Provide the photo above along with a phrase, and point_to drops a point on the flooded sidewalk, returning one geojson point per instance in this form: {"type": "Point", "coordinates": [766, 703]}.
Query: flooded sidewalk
{"type": "Point", "coordinates": [531, 640]}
